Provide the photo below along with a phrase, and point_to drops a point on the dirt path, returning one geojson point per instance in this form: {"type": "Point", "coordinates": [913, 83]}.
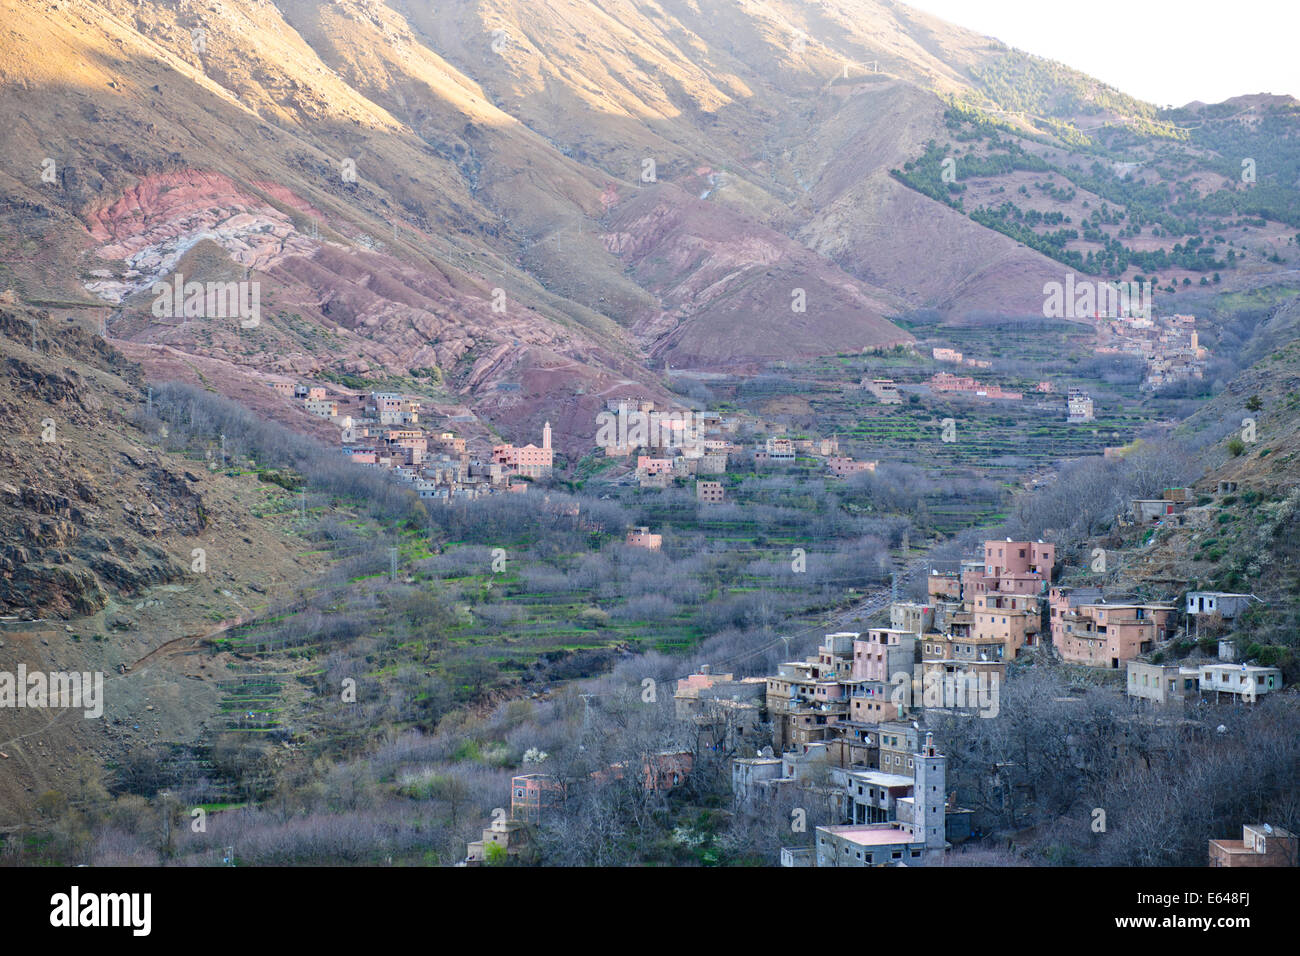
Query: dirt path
{"type": "Point", "coordinates": [180, 645]}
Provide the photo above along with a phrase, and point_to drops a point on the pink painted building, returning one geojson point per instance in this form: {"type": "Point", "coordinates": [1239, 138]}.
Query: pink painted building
{"type": "Point", "coordinates": [654, 466]}
{"type": "Point", "coordinates": [1011, 567]}
{"type": "Point", "coordinates": [882, 652]}
{"type": "Point", "coordinates": [529, 461]}
{"type": "Point", "coordinates": [841, 466]}
{"type": "Point", "coordinates": [644, 538]}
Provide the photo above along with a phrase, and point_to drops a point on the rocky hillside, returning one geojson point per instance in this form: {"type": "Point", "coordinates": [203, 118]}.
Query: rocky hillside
{"type": "Point", "coordinates": [116, 557]}
{"type": "Point", "coordinates": [476, 196]}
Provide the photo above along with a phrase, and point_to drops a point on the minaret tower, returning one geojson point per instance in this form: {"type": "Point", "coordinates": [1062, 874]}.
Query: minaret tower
{"type": "Point", "coordinates": [930, 796]}
{"type": "Point", "coordinates": [546, 436]}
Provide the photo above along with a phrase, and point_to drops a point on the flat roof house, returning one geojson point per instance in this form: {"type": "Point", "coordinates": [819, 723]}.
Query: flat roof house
{"type": "Point", "coordinates": [1247, 682]}
{"type": "Point", "coordinates": [1261, 844]}
{"type": "Point", "coordinates": [1226, 604]}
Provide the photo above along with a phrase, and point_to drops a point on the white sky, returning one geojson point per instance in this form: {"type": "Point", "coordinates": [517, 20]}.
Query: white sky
{"type": "Point", "coordinates": [1168, 52]}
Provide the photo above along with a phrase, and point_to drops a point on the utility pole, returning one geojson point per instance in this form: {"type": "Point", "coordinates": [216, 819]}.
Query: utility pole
{"type": "Point", "coordinates": [150, 399]}
{"type": "Point", "coordinates": [392, 564]}
{"type": "Point", "coordinates": [586, 709]}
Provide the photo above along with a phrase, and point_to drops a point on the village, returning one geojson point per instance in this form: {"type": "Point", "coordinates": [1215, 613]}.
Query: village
{"type": "Point", "coordinates": [846, 728]}
{"type": "Point", "coordinates": [384, 430]}
{"type": "Point", "coordinates": [665, 445]}
{"type": "Point", "coordinates": [1168, 345]}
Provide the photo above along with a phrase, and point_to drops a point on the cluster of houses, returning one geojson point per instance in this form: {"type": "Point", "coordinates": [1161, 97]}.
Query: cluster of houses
{"type": "Point", "coordinates": [384, 430]}
{"type": "Point", "coordinates": [956, 358]}
{"type": "Point", "coordinates": [841, 735]}
{"type": "Point", "coordinates": [965, 385]}
{"type": "Point", "coordinates": [1160, 684]}
{"type": "Point", "coordinates": [1079, 405]}
{"type": "Point", "coordinates": [1169, 345]}
{"type": "Point", "coordinates": [675, 445]}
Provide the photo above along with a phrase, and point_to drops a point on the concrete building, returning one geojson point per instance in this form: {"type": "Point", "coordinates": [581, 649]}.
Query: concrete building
{"type": "Point", "coordinates": [808, 700]}
{"type": "Point", "coordinates": [914, 618]}
{"type": "Point", "coordinates": [647, 465]}
{"type": "Point", "coordinates": [528, 461]}
{"type": "Point", "coordinates": [531, 793]}
{"type": "Point", "coordinates": [917, 835]}
{"type": "Point", "coordinates": [513, 837]}
{"type": "Point", "coordinates": [727, 712]}
{"type": "Point", "coordinates": [643, 538]}
{"type": "Point", "coordinates": [1260, 845]}
{"type": "Point", "coordinates": [899, 740]}
{"type": "Point", "coordinates": [882, 653]}
{"type": "Point", "coordinates": [1106, 635]}
{"type": "Point", "coordinates": [874, 794]}
{"type": "Point", "coordinates": [1079, 406]}
{"type": "Point", "coordinates": [1173, 501]}
{"type": "Point", "coordinates": [884, 390]}
{"type": "Point", "coordinates": [747, 773]}
{"type": "Point", "coordinates": [780, 450]}
{"type": "Point", "coordinates": [709, 492]}
{"type": "Point", "coordinates": [711, 464]}
{"type": "Point", "coordinates": [1245, 682]}
{"type": "Point", "coordinates": [322, 407]}
{"type": "Point", "coordinates": [1162, 684]}
{"type": "Point", "coordinates": [1015, 620]}
{"type": "Point", "coordinates": [842, 467]}
{"type": "Point", "coordinates": [1010, 567]}
{"type": "Point", "coordinates": [871, 844]}
{"type": "Point", "coordinates": [1226, 604]}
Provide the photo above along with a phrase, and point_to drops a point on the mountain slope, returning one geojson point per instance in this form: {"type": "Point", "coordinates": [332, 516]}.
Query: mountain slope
{"type": "Point", "coordinates": [481, 190]}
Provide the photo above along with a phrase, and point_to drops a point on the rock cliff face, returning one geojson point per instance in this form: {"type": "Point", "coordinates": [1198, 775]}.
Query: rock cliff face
{"type": "Point", "coordinates": [90, 514]}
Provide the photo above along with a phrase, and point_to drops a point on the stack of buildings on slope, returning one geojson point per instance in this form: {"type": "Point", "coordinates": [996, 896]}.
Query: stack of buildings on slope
{"type": "Point", "coordinates": [1168, 345]}
{"type": "Point", "coordinates": [678, 445]}
{"type": "Point", "coordinates": [384, 430]}
{"type": "Point", "coordinates": [1106, 630]}
{"type": "Point", "coordinates": [1160, 684]}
